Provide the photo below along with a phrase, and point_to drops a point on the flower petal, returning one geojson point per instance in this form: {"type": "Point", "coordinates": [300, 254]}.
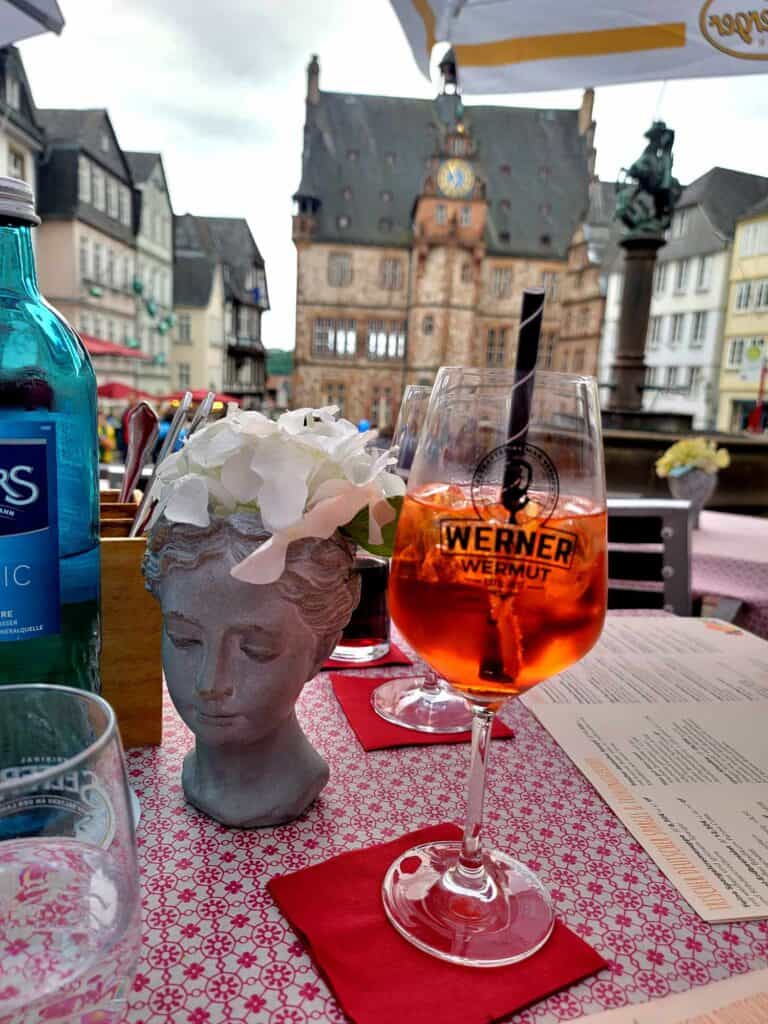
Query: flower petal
{"type": "Point", "coordinates": [266, 563]}
{"type": "Point", "coordinates": [188, 502]}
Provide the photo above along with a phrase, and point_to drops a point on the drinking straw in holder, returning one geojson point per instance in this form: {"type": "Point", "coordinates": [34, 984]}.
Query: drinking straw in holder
{"type": "Point", "coordinates": [144, 509]}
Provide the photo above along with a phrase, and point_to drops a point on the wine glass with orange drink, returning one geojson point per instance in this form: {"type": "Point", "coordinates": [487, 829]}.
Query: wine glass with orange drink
{"type": "Point", "coordinates": [498, 581]}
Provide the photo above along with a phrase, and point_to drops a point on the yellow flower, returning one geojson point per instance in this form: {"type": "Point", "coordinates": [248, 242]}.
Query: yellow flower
{"type": "Point", "coordinates": [694, 453]}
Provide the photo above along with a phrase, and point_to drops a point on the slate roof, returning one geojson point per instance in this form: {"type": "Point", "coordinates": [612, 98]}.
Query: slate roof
{"type": "Point", "coordinates": [141, 165]}
{"type": "Point", "coordinates": [192, 280]}
{"type": "Point", "coordinates": [84, 128]}
{"type": "Point", "coordinates": [26, 117]}
{"type": "Point", "coordinates": [602, 203]}
{"type": "Point", "coordinates": [203, 242]}
{"type": "Point", "coordinates": [534, 163]}
{"type": "Point", "coordinates": [725, 195]}
{"type": "Point", "coordinates": [756, 210]}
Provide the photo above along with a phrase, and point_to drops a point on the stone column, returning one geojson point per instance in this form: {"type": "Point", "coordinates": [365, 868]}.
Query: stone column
{"type": "Point", "coordinates": [629, 365]}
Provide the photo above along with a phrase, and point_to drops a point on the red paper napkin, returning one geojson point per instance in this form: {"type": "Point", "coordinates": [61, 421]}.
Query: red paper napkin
{"type": "Point", "coordinates": [393, 657]}
{"type": "Point", "coordinates": [375, 732]}
{"type": "Point", "coordinates": [377, 977]}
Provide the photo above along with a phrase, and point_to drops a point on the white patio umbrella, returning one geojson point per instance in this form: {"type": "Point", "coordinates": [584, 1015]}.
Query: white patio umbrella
{"type": "Point", "coordinates": [523, 45]}
{"type": "Point", "coordinates": [20, 19]}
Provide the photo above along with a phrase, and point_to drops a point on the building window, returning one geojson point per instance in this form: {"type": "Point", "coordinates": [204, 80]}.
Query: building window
{"type": "Point", "coordinates": [546, 353]}
{"type": "Point", "coordinates": [428, 324]}
{"type": "Point", "coordinates": [694, 379]}
{"type": "Point", "coordinates": [677, 329]}
{"type": "Point", "coordinates": [440, 213]}
{"type": "Point", "coordinates": [584, 319]}
{"type": "Point", "coordinates": [681, 275]}
{"type": "Point", "coordinates": [184, 329]}
{"type": "Point", "coordinates": [97, 185]}
{"type": "Point", "coordinates": [466, 272]}
{"type": "Point", "coordinates": [650, 376]}
{"type": "Point", "coordinates": [112, 203]}
{"type": "Point", "coordinates": [110, 329]}
{"type": "Point", "coordinates": [13, 91]}
{"type": "Point", "coordinates": [16, 164]}
{"type": "Point", "coordinates": [97, 326]}
{"type": "Point", "coordinates": [85, 268]}
{"type": "Point", "coordinates": [111, 281]}
{"type": "Point", "coordinates": [184, 375]}
{"type": "Point", "coordinates": [84, 180]}
{"type": "Point", "coordinates": [679, 223]}
{"type": "Point", "coordinates": [386, 340]}
{"type": "Point", "coordinates": [342, 221]}
{"type": "Point", "coordinates": [391, 274]}
{"type": "Point", "coordinates": [577, 363]}
{"type": "Point", "coordinates": [336, 338]}
{"type": "Point", "coordinates": [761, 294]}
{"type": "Point", "coordinates": [550, 283]}
{"type": "Point", "coordinates": [125, 206]}
{"type": "Point", "coordinates": [670, 380]}
{"type": "Point", "coordinates": [754, 239]}
{"type": "Point", "coordinates": [85, 323]}
{"type": "Point", "coordinates": [98, 265]}
{"type": "Point", "coordinates": [381, 406]}
{"type": "Point", "coordinates": [127, 272]}
{"type": "Point", "coordinates": [704, 273]}
{"type": "Point", "coordinates": [339, 269]}
{"type": "Point", "coordinates": [655, 331]}
{"type": "Point", "coordinates": [495, 345]}
{"type": "Point", "coordinates": [465, 218]}
{"type": "Point", "coordinates": [743, 295]}
{"type": "Point", "coordinates": [334, 393]}
{"type": "Point", "coordinates": [735, 353]}
{"type": "Point", "coordinates": [501, 282]}
{"type": "Point", "coordinates": [698, 330]}
{"type": "Point", "coordinates": [660, 279]}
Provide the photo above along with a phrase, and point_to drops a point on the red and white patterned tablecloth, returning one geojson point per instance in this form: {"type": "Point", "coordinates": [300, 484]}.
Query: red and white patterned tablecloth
{"type": "Point", "coordinates": [730, 559]}
{"type": "Point", "coordinates": [216, 949]}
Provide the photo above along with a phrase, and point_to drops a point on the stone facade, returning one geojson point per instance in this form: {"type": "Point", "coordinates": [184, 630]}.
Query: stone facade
{"type": "Point", "coordinates": [421, 260]}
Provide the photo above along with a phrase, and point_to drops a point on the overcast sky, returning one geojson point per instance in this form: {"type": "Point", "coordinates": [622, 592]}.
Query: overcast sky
{"type": "Point", "coordinates": [218, 88]}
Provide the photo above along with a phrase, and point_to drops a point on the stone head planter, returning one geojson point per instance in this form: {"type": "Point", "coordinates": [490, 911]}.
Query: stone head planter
{"type": "Point", "coordinates": [236, 656]}
{"type": "Point", "coordinates": [695, 486]}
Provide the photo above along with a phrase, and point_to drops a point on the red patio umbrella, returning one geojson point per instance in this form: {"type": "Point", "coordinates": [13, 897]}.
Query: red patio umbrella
{"type": "Point", "coordinates": [116, 389]}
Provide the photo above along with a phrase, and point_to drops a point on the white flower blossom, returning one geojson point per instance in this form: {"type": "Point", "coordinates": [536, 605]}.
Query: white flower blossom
{"type": "Point", "coordinates": [308, 475]}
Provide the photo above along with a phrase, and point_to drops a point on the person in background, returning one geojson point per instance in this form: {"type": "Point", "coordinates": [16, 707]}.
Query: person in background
{"type": "Point", "coordinates": [165, 425]}
{"type": "Point", "coordinates": [107, 441]}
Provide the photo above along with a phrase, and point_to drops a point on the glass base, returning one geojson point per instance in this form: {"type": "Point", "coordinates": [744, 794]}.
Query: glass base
{"type": "Point", "coordinates": [506, 918]}
{"type": "Point", "coordinates": [406, 702]}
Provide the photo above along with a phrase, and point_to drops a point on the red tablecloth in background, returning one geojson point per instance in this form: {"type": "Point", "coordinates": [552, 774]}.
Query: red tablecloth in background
{"type": "Point", "coordinates": [730, 559]}
{"type": "Point", "coordinates": [216, 948]}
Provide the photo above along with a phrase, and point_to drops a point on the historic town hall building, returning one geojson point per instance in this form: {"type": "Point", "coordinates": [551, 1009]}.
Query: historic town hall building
{"type": "Point", "coordinates": [418, 223]}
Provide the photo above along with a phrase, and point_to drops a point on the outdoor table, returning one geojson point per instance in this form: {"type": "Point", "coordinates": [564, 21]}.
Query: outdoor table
{"type": "Point", "coordinates": [730, 559]}
{"type": "Point", "coordinates": [216, 948]}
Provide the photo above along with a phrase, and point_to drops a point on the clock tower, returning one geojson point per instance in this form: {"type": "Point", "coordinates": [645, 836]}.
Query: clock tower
{"type": "Point", "coordinates": [449, 222]}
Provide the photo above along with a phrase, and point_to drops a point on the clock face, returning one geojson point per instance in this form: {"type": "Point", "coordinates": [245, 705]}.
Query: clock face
{"type": "Point", "coordinates": [455, 178]}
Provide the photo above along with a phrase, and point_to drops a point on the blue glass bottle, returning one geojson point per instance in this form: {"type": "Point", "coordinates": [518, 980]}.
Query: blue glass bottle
{"type": "Point", "coordinates": [49, 474]}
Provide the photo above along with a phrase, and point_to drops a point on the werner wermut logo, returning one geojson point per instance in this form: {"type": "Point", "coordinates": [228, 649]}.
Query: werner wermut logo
{"type": "Point", "coordinates": [739, 33]}
{"type": "Point", "coordinates": [518, 481]}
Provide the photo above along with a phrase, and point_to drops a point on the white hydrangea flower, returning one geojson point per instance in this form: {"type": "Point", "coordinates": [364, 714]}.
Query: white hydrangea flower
{"type": "Point", "coordinates": [307, 475]}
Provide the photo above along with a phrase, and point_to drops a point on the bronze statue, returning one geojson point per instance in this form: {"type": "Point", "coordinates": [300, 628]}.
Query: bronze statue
{"type": "Point", "coordinates": [647, 197]}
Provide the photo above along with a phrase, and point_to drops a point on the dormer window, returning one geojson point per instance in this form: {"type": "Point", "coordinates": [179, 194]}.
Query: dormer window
{"type": "Point", "coordinates": [353, 155]}
{"type": "Point", "coordinates": [104, 142]}
{"type": "Point", "coordinates": [13, 91]}
{"type": "Point", "coordinates": [440, 213]}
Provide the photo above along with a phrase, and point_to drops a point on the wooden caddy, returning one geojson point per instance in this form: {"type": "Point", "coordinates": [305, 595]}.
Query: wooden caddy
{"type": "Point", "coordinates": [131, 629]}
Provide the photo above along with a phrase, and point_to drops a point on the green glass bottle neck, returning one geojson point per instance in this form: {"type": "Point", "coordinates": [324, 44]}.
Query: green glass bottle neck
{"type": "Point", "coordinates": [17, 259]}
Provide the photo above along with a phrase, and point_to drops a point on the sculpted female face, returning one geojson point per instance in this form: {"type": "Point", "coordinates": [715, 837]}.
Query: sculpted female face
{"type": "Point", "coordinates": [235, 655]}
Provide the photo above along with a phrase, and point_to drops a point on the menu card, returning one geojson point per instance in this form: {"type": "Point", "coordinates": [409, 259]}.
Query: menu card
{"type": "Point", "coordinates": [667, 718]}
{"type": "Point", "coordinates": [739, 1000]}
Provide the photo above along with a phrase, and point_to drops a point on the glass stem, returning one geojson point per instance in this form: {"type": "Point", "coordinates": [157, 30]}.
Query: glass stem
{"type": "Point", "coordinates": [470, 864]}
{"type": "Point", "coordinates": [431, 684]}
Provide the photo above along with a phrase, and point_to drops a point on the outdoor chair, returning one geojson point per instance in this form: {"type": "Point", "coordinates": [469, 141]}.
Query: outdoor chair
{"type": "Point", "coordinates": [649, 555]}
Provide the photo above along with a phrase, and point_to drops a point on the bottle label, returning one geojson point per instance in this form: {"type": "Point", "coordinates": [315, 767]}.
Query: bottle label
{"type": "Point", "coordinates": [29, 531]}
{"type": "Point", "coordinates": [75, 805]}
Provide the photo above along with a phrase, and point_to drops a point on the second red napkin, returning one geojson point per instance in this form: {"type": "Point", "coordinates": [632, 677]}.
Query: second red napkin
{"type": "Point", "coordinates": [378, 977]}
{"type": "Point", "coordinates": [375, 733]}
